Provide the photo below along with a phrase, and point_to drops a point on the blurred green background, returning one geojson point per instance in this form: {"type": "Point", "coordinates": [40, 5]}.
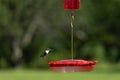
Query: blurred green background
{"type": "Point", "coordinates": [28, 27]}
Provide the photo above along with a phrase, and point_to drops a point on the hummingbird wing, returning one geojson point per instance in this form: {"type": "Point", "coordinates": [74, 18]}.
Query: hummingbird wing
{"type": "Point", "coordinates": [43, 55]}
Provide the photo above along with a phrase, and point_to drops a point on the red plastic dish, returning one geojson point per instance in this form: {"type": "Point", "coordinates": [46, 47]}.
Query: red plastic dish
{"type": "Point", "coordinates": [72, 66]}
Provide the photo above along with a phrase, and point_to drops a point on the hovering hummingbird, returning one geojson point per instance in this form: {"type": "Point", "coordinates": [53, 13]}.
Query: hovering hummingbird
{"type": "Point", "coordinates": [46, 52]}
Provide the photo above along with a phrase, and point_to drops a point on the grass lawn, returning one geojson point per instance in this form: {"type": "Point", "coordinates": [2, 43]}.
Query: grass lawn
{"type": "Point", "coordinates": [48, 75]}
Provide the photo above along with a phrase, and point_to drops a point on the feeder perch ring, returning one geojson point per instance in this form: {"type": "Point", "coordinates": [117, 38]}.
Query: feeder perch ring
{"type": "Point", "coordinates": [72, 65]}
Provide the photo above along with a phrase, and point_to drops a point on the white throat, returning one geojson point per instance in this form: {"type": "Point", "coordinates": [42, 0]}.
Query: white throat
{"type": "Point", "coordinates": [47, 51]}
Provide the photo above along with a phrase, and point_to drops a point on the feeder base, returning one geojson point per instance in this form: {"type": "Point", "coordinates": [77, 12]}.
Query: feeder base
{"type": "Point", "coordinates": [72, 69]}
{"type": "Point", "coordinates": [72, 66]}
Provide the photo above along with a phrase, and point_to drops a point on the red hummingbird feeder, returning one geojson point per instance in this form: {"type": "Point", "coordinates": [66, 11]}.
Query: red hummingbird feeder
{"type": "Point", "coordinates": [71, 4]}
{"type": "Point", "coordinates": [72, 65]}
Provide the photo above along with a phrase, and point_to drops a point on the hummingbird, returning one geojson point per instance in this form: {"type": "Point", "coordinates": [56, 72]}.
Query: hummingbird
{"type": "Point", "coordinates": [46, 52]}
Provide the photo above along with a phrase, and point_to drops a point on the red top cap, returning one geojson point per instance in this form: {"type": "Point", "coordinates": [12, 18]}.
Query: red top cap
{"type": "Point", "coordinates": [71, 4]}
{"type": "Point", "coordinates": [72, 63]}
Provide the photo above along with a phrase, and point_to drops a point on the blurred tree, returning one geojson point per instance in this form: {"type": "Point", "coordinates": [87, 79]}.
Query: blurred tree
{"type": "Point", "coordinates": [103, 20]}
{"type": "Point", "coordinates": [19, 21]}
